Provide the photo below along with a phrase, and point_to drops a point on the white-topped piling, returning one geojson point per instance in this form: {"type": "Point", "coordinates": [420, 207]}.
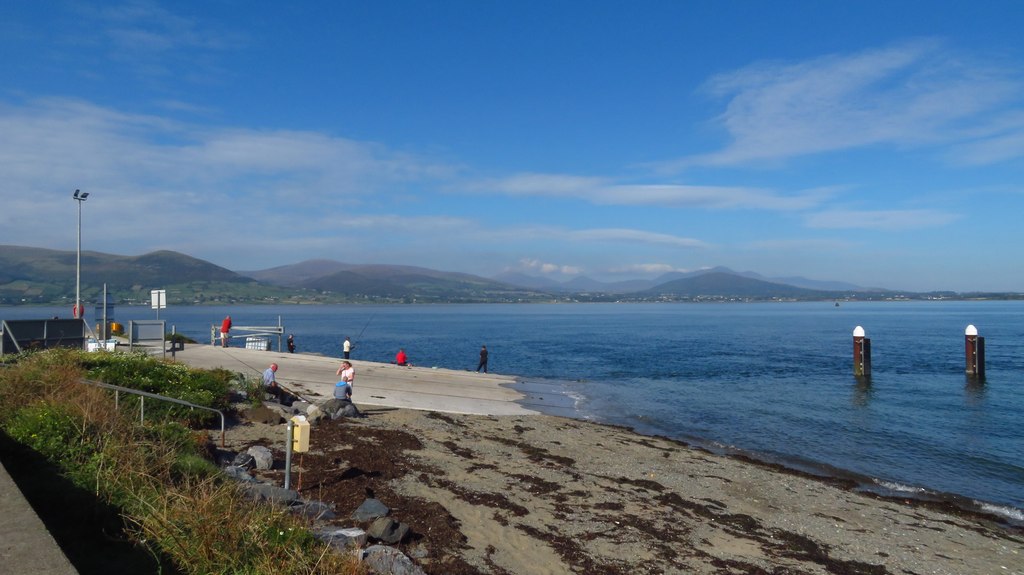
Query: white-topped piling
{"type": "Point", "coordinates": [861, 353]}
{"type": "Point", "coordinates": [974, 346]}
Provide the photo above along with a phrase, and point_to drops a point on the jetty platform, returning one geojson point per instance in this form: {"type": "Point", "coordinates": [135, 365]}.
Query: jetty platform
{"type": "Point", "coordinates": [312, 377]}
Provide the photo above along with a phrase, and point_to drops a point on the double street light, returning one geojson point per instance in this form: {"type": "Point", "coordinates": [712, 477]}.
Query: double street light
{"type": "Point", "coordinates": [79, 197]}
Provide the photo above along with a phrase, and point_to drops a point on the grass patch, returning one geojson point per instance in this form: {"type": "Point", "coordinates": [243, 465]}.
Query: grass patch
{"type": "Point", "coordinates": [150, 486]}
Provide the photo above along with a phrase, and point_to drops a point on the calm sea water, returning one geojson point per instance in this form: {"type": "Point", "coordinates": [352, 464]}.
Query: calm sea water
{"type": "Point", "coordinates": [773, 380]}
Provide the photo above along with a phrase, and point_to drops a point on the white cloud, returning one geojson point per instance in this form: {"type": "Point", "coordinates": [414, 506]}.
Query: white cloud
{"type": "Point", "coordinates": [710, 197]}
{"type": "Point", "coordinates": [633, 236]}
{"type": "Point", "coordinates": [603, 191]}
{"type": "Point", "coordinates": [880, 219]}
{"type": "Point", "coordinates": [145, 25]}
{"type": "Point", "coordinates": [158, 179]}
{"type": "Point", "coordinates": [58, 142]}
{"type": "Point", "coordinates": [546, 268]}
{"type": "Point", "coordinates": [550, 185]}
{"type": "Point", "coordinates": [999, 143]}
{"type": "Point", "coordinates": [645, 269]}
{"type": "Point", "coordinates": [549, 234]}
{"type": "Point", "coordinates": [392, 223]}
{"type": "Point", "coordinates": [907, 95]}
{"type": "Point", "coordinates": [162, 184]}
{"type": "Point", "coordinates": [809, 244]}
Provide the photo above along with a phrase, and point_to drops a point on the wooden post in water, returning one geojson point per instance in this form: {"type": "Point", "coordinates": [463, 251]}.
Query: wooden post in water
{"type": "Point", "coordinates": [975, 348]}
{"type": "Point", "coordinates": [861, 353]}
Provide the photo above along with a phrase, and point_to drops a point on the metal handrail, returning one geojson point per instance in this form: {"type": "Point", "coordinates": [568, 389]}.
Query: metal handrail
{"type": "Point", "coordinates": [142, 402]}
{"type": "Point", "coordinates": [250, 331]}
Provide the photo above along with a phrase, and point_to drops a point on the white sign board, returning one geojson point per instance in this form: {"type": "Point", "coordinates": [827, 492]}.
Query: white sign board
{"type": "Point", "coordinates": [158, 299]}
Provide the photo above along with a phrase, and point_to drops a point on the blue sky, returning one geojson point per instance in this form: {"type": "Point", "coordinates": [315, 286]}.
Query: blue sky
{"type": "Point", "coordinates": [878, 143]}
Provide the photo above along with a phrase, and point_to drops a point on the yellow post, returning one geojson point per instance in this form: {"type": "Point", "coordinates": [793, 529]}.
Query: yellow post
{"type": "Point", "coordinates": [300, 434]}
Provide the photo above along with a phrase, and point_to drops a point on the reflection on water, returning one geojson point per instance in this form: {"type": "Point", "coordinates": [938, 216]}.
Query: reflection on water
{"type": "Point", "coordinates": [974, 392]}
{"type": "Point", "coordinates": [861, 392]}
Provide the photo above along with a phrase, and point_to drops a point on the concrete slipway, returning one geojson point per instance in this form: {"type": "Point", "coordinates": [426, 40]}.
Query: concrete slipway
{"type": "Point", "coordinates": [376, 384]}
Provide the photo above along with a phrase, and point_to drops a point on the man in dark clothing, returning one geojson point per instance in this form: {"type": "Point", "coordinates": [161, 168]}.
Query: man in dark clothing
{"type": "Point", "coordinates": [483, 359]}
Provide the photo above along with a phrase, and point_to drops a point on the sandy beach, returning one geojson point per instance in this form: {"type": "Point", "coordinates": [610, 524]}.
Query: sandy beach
{"type": "Point", "coordinates": [535, 494]}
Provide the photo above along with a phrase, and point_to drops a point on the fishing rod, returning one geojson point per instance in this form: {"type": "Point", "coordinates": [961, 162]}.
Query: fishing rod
{"type": "Point", "coordinates": [279, 384]}
{"type": "Point", "coordinates": [366, 325]}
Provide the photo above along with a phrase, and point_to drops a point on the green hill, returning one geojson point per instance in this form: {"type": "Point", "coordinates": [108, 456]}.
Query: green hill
{"type": "Point", "coordinates": [37, 275]}
{"type": "Point", "coordinates": [729, 286]}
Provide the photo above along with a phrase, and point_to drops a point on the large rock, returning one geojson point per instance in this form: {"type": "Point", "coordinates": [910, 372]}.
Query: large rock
{"type": "Point", "coordinates": [342, 539]}
{"type": "Point", "coordinates": [350, 410]}
{"type": "Point", "coordinates": [266, 492]}
{"type": "Point", "coordinates": [315, 415]}
{"type": "Point", "coordinates": [244, 460]}
{"type": "Point", "coordinates": [239, 473]}
{"type": "Point", "coordinates": [337, 408]}
{"type": "Point", "coordinates": [369, 510]}
{"type": "Point", "coordinates": [316, 510]}
{"type": "Point", "coordinates": [299, 407]}
{"type": "Point", "coordinates": [262, 455]}
{"type": "Point", "coordinates": [283, 410]}
{"type": "Point", "coordinates": [389, 561]}
{"type": "Point", "coordinates": [388, 530]}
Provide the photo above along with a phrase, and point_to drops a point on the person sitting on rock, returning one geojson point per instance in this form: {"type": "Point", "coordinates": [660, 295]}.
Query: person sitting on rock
{"type": "Point", "coordinates": [343, 389]}
{"type": "Point", "coordinates": [270, 386]}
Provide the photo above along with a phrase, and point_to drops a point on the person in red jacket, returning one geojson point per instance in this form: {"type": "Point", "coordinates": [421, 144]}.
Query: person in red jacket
{"type": "Point", "coordinates": [400, 358]}
{"type": "Point", "coordinates": [225, 327]}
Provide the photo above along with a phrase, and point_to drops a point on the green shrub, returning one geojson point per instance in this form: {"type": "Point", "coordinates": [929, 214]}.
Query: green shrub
{"type": "Point", "coordinates": [172, 434]}
{"type": "Point", "coordinates": [252, 387]}
{"type": "Point", "coordinates": [209, 388]}
{"type": "Point", "coordinates": [52, 430]}
{"type": "Point", "coordinates": [193, 465]}
{"type": "Point", "coordinates": [35, 376]}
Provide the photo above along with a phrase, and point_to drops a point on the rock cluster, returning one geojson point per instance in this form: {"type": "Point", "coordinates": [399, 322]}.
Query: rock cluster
{"type": "Point", "coordinates": [274, 413]}
{"type": "Point", "coordinates": [382, 529]}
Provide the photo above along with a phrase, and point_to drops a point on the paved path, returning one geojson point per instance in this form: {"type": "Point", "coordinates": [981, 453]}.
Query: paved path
{"type": "Point", "coordinates": [378, 384]}
{"type": "Point", "coordinates": [26, 547]}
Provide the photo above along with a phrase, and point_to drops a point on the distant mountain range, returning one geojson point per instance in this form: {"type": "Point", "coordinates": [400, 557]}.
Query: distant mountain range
{"type": "Point", "coordinates": [585, 284]}
{"type": "Point", "coordinates": [38, 276]}
{"type": "Point", "coordinates": [41, 276]}
{"type": "Point", "coordinates": [405, 283]}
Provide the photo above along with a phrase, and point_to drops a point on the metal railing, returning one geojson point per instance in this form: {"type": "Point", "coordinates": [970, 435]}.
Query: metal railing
{"type": "Point", "coordinates": [142, 401]}
{"type": "Point", "coordinates": [249, 331]}
{"type": "Point", "coordinates": [19, 335]}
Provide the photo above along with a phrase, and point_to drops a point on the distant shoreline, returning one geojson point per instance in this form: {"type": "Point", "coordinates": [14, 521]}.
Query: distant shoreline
{"type": "Point", "coordinates": [607, 301]}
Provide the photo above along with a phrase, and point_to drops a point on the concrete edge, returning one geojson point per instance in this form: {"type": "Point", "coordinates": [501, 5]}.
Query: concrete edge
{"type": "Point", "coordinates": [26, 547]}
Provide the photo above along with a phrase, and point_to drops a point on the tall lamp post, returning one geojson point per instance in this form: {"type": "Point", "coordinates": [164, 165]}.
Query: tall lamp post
{"type": "Point", "coordinates": [79, 197]}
